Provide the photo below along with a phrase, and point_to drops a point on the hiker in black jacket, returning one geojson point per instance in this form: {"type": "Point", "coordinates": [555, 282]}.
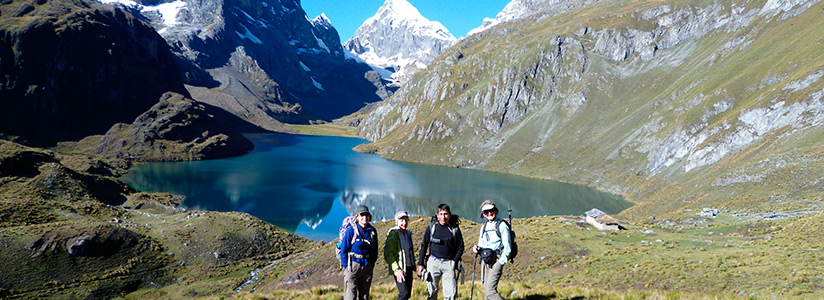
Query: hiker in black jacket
{"type": "Point", "coordinates": [445, 244]}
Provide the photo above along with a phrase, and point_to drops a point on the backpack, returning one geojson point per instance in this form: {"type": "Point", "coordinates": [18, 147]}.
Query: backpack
{"type": "Point", "coordinates": [452, 223]}
{"type": "Point", "coordinates": [348, 222]}
{"type": "Point", "coordinates": [512, 243]}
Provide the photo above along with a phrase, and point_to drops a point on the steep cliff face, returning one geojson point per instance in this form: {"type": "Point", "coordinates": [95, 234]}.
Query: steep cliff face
{"type": "Point", "coordinates": [673, 105]}
{"type": "Point", "coordinates": [268, 56]}
{"type": "Point", "coordinates": [399, 39]}
{"type": "Point", "coordinates": [70, 68]}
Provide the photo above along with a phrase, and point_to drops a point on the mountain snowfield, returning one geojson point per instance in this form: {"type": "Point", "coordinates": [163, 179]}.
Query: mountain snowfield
{"type": "Point", "coordinates": [399, 39]}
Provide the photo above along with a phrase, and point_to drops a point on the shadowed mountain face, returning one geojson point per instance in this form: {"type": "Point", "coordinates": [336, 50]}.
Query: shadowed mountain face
{"type": "Point", "coordinates": [72, 68]}
{"type": "Point", "coordinates": [268, 56]}
{"type": "Point", "coordinates": [176, 128]}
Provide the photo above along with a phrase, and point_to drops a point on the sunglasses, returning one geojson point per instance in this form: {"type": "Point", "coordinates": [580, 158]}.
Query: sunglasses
{"type": "Point", "coordinates": [488, 212]}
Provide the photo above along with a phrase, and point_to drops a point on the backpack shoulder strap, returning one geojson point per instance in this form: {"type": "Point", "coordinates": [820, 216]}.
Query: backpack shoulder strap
{"type": "Point", "coordinates": [498, 227]}
{"type": "Point", "coordinates": [452, 230]}
{"type": "Point", "coordinates": [356, 234]}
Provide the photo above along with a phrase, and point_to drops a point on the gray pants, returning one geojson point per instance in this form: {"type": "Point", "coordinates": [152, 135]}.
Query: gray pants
{"type": "Point", "coordinates": [442, 269]}
{"type": "Point", "coordinates": [357, 280]}
{"type": "Point", "coordinates": [490, 277]}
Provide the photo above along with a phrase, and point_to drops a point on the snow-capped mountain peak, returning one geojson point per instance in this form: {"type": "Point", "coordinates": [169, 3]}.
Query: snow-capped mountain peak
{"type": "Point", "coordinates": [398, 10]}
{"type": "Point", "coordinates": [400, 39]}
{"type": "Point", "coordinates": [322, 20]}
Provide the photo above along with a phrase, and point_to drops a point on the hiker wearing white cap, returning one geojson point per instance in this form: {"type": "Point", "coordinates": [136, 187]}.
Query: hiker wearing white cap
{"type": "Point", "coordinates": [494, 247]}
{"type": "Point", "coordinates": [399, 253]}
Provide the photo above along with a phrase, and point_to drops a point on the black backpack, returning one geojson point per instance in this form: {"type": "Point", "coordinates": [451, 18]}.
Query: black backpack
{"type": "Point", "coordinates": [512, 243]}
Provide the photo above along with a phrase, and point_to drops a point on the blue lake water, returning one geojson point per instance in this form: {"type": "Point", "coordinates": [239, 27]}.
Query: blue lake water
{"type": "Point", "coordinates": [308, 184]}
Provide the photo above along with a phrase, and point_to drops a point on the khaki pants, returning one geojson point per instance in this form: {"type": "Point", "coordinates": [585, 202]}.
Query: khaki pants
{"type": "Point", "coordinates": [442, 269]}
{"type": "Point", "coordinates": [490, 277]}
{"type": "Point", "coordinates": [357, 280]}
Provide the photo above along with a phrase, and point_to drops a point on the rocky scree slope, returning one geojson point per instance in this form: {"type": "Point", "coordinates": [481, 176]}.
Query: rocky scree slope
{"type": "Point", "coordinates": [262, 60]}
{"type": "Point", "coordinates": [68, 69]}
{"type": "Point", "coordinates": [673, 105]}
{"type": "Point", "coordinates": [400, 40]}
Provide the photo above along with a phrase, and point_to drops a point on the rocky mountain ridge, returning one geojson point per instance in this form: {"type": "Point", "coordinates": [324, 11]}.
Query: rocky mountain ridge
{"type": "Point", "coordinates": [399, 39]}
{"type": "Point", "coordinates": [519, 9]}
{"type": "Point", "coordinates": [268, 57]}
{"type": "Point", "coordinates": [627, 98]}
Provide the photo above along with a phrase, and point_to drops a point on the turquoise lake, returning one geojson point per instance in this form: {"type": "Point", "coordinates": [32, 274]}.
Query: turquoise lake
{"type": "Point", "coordinates": [308, 184]}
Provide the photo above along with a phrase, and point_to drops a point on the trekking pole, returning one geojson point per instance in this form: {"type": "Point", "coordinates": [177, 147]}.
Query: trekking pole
{"type": "Point", "coordinates": [474, 262]}
{"type": "Point", "coordinates": [509, 209]}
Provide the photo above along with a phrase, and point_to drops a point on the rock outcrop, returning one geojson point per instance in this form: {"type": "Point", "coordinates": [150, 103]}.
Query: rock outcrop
{"type": "Point", "coordinates": [174, 129]}
{"type": "Point", "coordinates": [71, 68]}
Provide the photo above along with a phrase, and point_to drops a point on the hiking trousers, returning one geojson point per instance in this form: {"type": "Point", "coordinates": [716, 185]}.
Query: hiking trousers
{"type": "Point", "coordinates": [490, 275]}
{"type": "Point", "coordinates": [442, 269]}
{"type": "Point", "coordinates": [357, 280]}
{"type": "Point", "coordinates": [405, 287]}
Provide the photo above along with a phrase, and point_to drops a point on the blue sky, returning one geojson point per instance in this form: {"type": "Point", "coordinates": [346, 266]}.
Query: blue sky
{"type": "Point", "coordinates": [459, 16]}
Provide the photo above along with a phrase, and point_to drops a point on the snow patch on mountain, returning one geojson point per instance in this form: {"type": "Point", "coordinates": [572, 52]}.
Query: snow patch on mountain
{"type": "Point", "coordinates": [168, 11]}
{"type": "Point", "coordinates": [248, 35]}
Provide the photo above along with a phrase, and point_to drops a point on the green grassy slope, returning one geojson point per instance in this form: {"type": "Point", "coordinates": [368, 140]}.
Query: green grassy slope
{"type": "Point", "coordinates": [672, 132]}
{"type": "Point", "coordinates": [728, 257]}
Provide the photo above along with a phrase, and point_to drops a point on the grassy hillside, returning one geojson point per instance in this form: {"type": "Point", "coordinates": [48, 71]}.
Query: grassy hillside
{"type": "Point", "coordinates": [732, 256]}
{"type": "Point", "coordinates": [676, 106]}
{"type": "Point", "coordinates": [69, 232]}
{"type": "Point", "coordinates": [672, 105]}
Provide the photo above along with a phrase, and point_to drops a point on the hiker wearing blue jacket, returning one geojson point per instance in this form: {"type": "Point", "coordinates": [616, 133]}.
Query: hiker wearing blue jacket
{"type": "Point", "coordinates": [494, 247]}
{"type": "Point", "coordinates": [359, 252]}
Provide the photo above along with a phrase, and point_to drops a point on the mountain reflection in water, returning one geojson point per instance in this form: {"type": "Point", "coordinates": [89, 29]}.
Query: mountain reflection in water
{"type": "Point", "coordinates": [308, 184]}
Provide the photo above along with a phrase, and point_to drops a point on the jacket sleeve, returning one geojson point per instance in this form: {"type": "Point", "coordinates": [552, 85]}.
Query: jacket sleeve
{"type": "Point", "coordinates": [424, 246]}
{"type": "Point", "coordinates": [507, 249]}
{"type": "Point", "coordinates": [459, 236]}
{"type": "Point", "coordinates": [391, 250]}
{"type": "Point", "coordinates": [345, 247]}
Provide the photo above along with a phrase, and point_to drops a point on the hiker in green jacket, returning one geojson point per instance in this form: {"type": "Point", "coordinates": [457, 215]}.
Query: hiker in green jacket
{"type": "Point", "coordinates": [400, 255]}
